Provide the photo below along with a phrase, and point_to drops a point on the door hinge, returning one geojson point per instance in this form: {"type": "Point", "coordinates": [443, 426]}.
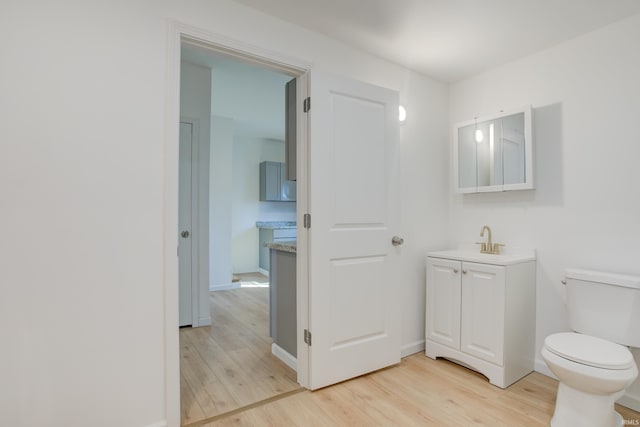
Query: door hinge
{"type": "Point", "coordinates": [307, 221]}
{"type": "Point", "coordinates": [307, 337]}
{"type": "Point", "coordinates": [306, 105]}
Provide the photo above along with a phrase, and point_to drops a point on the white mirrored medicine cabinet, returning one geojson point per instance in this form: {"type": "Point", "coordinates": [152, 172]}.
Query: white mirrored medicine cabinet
{"type": "Point", "coordinates": [494, 153]}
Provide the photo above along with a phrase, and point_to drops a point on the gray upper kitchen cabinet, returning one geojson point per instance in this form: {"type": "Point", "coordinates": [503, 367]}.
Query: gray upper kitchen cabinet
{"type": "Point", "coordinates": [274, 187]}
{"type": "Point", "coordinates": [290, 130]}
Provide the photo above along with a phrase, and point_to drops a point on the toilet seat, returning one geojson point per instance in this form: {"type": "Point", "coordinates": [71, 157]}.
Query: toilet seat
{"type": "Point", "coordinates": [589, 350]}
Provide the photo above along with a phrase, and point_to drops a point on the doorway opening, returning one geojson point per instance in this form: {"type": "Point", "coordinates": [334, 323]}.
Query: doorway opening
{"type": "Point", "coordinates": [227, 363]}
{"type": "Point", "coordinates": [356, 211]}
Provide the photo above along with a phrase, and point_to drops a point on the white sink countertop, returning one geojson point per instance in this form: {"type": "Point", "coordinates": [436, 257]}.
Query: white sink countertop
{"type": "Point", "coordinates": [466, 253]}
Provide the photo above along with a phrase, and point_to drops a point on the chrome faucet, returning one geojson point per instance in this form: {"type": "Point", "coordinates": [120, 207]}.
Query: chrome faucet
{"type": "Point", "coordinates": [488, 247]}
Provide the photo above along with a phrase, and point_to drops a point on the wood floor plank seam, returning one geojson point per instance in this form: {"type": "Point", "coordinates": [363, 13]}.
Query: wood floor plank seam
{"type": "Point", "coordinates": [246, 408]}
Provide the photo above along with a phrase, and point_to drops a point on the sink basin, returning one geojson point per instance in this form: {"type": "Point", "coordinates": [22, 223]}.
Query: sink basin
{"type": "Point", "coordinates": [471, 256]}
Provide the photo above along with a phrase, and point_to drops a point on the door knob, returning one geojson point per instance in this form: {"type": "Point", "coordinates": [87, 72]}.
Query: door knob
{"type": "Point", "coordinates": [185, 234]}
{"type": "Point", "coordinates": [397, 241]}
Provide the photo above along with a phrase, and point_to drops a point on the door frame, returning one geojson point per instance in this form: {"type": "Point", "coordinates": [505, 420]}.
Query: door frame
{"type": "Point", "coordinates": [273, 60]}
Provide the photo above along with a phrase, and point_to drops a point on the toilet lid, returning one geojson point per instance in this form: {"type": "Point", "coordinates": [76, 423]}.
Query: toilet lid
{"type": "Point", "coordinates": [588, 350]}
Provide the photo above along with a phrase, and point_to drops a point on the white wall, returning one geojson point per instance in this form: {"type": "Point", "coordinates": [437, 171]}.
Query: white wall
{"type": "Point", "coordinates": [251, 95]}
{"type": "Point", "coordinates": [254, 98]}
{"type": "Point", "coordinates": [82, 181]}
{"type": "Point", "coordinates": [220, 201]}
{"type": "Point", "coordinates": [248, 152]}
{"type": "Point", "coordinates": [424, 176]}
{"type": "Point", "coordinates": [584, 212]}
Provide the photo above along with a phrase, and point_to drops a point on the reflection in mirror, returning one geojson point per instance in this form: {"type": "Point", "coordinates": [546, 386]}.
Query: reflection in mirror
{"type": "Point", "coordinates": [495, 153]}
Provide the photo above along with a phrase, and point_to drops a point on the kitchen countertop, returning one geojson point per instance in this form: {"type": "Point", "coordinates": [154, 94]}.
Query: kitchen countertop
{"type": "Point", "coordinates": [276, 224]}
{"type": "Point", "coordinates": [287, 246]}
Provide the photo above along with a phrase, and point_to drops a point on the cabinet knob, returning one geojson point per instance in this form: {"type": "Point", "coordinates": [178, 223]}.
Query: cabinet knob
{"type": "Point", "coordinates": [464, 271]}
{"type": "Point", "coordinates": [455, 270]}
{"type": "Point", "coordinates": [185, 234]}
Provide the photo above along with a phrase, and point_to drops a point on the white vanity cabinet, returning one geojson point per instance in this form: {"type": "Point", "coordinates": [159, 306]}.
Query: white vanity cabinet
{"type": "Point", "coordinates": [482, 314]}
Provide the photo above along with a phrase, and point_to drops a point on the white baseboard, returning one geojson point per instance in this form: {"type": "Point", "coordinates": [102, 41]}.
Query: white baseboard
{"type": "Point", "coordinates": [263, 271]}
{"type": "Point", "coordinates": [542, 367]}
{"type": "Point", "coordinates": [204, 321]}
{"type": "Point", "coordinates": [630, 401]}
{"type": "Point", "coordinates": [157, 424]}
{"type": "Point", "coordinates": [411, 348]}
{"type": "Point", "coordinates": [283, 355]}
{"type": "Point", "coordinates": [224, 286]}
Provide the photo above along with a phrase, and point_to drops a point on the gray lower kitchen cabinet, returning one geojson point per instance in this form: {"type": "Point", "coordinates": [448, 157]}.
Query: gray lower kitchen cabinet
{"type": "Point", "coordinates": [274, 186]}
{"type": "Point", "coordinates": [272, 235]}
{"type": "Point", "coordinates": [282, 300]}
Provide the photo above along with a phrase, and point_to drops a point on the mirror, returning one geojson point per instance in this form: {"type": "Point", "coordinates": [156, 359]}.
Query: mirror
{"type": "Point", "coordinates": [494, 153]}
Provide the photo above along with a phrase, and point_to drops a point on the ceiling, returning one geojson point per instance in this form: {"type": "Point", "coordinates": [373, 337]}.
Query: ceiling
{"type": "Point", "coordinates": [450, 40]}
{"type": "Point", "coordinates": [250, 95]}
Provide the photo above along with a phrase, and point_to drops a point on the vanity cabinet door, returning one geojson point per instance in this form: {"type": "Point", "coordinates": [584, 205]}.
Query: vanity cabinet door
{"type": "Point", "coordinates": [483, 305]}
{"type": "Point", "coordinates": [443, 302]}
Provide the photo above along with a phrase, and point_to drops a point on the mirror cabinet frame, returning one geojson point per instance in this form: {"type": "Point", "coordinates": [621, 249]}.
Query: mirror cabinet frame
{"type": "Point", "coordinates": [528, 183]}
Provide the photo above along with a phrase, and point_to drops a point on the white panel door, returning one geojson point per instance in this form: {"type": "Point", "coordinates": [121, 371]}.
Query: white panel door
{"type": "Point", "coordinates": [353, 201]}
{"type": "Point", "coordinates": [443, 302]}
{"type": "Point", "coordinates": [483, 311]}
{"type": "Point", "coordinates": [184, 223]}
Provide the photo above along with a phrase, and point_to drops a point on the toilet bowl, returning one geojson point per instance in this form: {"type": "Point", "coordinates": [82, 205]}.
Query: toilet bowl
{"type": "Point", "coordinates": [593, 364]}
{"type": "Point", "coordinates": [590, 382]}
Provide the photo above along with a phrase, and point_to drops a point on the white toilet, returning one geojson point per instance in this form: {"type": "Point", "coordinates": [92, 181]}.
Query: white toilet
{"type": "Point", "coordinates": [593, 364]}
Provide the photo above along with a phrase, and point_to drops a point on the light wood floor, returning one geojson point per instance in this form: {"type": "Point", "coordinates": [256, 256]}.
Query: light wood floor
{"type": "Point", "coordinates": [229, 365]}
{"type": "Point", "coordinates": [229, 369]}
{"type": "Point", "coordinates": [417, 392]}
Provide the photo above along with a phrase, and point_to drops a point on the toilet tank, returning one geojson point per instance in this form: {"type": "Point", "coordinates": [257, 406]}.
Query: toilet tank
{"type": "Point", "coordinates": [604, 305]}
